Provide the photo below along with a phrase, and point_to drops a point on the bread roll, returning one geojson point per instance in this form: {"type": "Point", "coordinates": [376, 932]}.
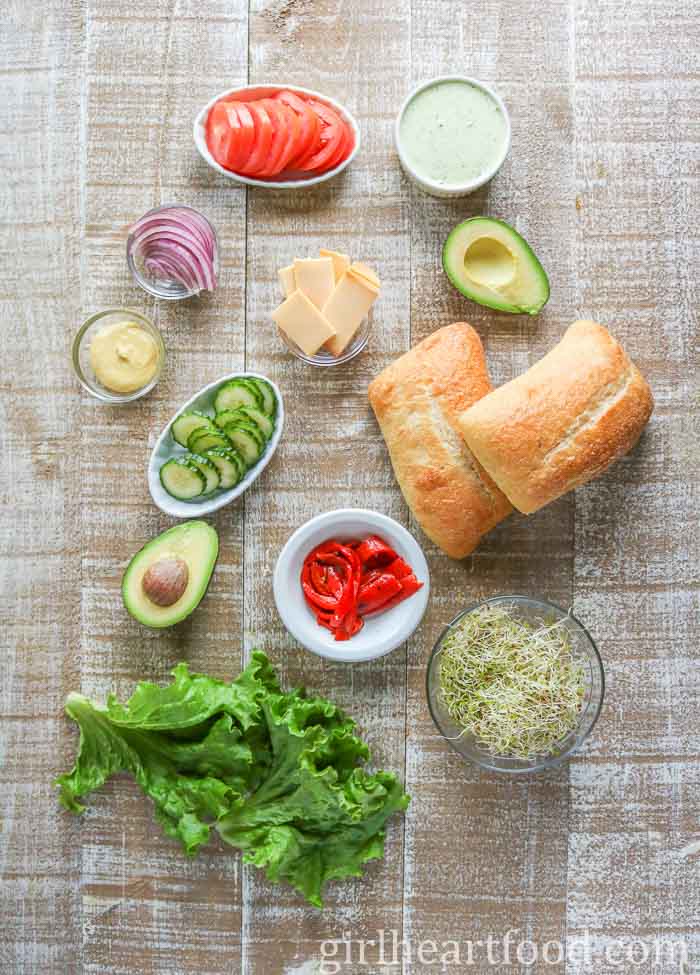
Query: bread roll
{"type": "Point", "coordinates": [417, 400]}
{"type": "Point", "coordinates": [561, 423]}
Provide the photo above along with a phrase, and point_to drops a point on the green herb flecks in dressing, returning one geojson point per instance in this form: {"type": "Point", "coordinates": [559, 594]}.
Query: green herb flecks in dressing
{"type": "Point", "coordinates": [453, 133]}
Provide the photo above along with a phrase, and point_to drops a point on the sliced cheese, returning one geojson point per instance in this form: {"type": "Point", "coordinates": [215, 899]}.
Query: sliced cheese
{"type": "Point", "coordinates": [365, 272]}
{"type": "Point", "coordinates": [341, 262]}
{"type": "Point", "coordinates": [314, 276]}
{"type": "Point", "coordinates": [287, 280]}
{"type": "Point", "coordinates": [347, 308]}
{"type": "Point", "coordinates": [302, 322]}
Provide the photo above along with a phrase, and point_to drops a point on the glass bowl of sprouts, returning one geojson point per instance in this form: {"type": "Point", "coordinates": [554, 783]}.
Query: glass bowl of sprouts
{"type": "Point", "coordinates": [515, 684]}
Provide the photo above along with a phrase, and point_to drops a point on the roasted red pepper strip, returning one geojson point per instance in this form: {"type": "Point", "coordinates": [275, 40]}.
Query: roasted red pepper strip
{"type": "Point", "coordinates": [399, 568]}
{"type": "Point", "coordinates": [325, 579]}
{"type": "Point", "coordinates": [319, 600]}
{"type": "Point", "coordinates": [374, 553]}
{"type": "Point", "coordinates": [330, 579]}
{"type": "Point", "coordinates": [368, 577]}
{"type": "Point", "coordinates": [378, 592]}
{"type": "Point", "coordinates": [409, 586]}
{"type": "Point", "coordinates": [344, 582]}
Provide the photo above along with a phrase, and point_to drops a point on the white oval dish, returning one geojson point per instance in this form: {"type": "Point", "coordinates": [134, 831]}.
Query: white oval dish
{"type": "Point", "coordinates": [431, 186]}
{"type": "Point", "coordinates": [166, 448]}
{"type": "Point", "coordinates": [247, 92]}
{"type": "Point", "coordinates": [382, 633]}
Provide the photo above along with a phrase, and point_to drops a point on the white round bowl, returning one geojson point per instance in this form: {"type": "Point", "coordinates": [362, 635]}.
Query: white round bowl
{"type": "Point", "coordinates": [166, 447]}
{"type": "Point", "coordinates": [458, 189]}
{"type": "Point", "coordinates": [247, 92]}
{"type": "Point", "coordinates": [381, 633]}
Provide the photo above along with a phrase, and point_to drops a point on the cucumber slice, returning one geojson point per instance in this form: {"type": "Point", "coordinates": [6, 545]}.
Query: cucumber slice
{"type": "Point", "coordinates": [269, 404]}
{"type": "Point", "coordinates": [229, 465]}
{"type": "Point", "coordinates": [202, 440]}
{"type": "Point", "coordinates": [247, 424]}
{"type": "Point", "coordinates": [235, 393]}
{"type": "Point", "coordinates": [247, 440]}
{"type": "Point", "coordinates": [187, 422]}
{"type": "Point", "coordinates": [209, 469]}
{"type": "Point", "coordinates": [262, 420]}
{"type": "Point", "coordinates": [181, 479]}
{"type": "Point", "coordinates": [223, 419]}
{"type": "Point", "coordinates": [235, 456]}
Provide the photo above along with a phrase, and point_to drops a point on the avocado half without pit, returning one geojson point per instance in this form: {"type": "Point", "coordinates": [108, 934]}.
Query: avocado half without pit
{"type": "Point", "coordinates": [489, 262]}
{"type": "Point", "coordinates": [167, 579]}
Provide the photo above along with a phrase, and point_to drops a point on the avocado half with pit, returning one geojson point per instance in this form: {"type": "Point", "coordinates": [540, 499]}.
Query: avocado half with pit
{"type": "Point", "coordinates": [167, 579]}
{"type": "Point", "coordinates": [489, 262]}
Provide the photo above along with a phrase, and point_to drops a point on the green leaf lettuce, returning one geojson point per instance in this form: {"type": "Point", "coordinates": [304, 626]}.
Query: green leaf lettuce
{"type": "Point", "coordinates": [279, 775]}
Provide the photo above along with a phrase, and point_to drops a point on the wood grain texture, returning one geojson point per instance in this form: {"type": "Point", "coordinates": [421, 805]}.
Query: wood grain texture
{"type": "Point", "coordinates": [357, 54]}
{"type": "Point", "coordinates": [603, 180]}
{"type": "Point", "coordinates": [633, 866]}
{"type": "Point", "coordinates": [485, 856]}
{"type": "Point", "coordinates": [40, 565]}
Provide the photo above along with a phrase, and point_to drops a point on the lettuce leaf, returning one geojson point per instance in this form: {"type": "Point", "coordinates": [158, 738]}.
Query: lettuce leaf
{"type": "Point", "coordinates": [279, 775]}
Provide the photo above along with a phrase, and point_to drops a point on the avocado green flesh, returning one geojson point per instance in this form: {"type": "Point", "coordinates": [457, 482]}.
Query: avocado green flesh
{"type": "Point", "coordinates": [197, 544]}
{"type": "Point", "coordinates": [489, 262]}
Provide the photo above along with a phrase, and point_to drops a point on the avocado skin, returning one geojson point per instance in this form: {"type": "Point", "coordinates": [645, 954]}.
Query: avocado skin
{"type": "Point", "coordinates": [490, 298]}
{"type": "Point", "coordinates": [198, 544]}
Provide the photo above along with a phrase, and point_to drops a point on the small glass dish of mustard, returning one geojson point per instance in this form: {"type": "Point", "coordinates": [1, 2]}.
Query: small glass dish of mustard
{"type": "Point", "coordinates": [118, 355]}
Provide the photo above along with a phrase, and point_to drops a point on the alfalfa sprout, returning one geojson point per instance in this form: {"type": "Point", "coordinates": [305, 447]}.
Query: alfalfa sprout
{"type": "Point", "coordinates": [515, 686]}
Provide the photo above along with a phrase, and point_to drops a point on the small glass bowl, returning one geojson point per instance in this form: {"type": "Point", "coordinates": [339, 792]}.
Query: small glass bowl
{"type": "Point", "coordinates": [583, 649]}
{"type": "Point", "coordinates": [165, 288]}
{"type": "Point", "coordinates": [81, 353]}
{"type": "Point", "coordinates": [322, 357]}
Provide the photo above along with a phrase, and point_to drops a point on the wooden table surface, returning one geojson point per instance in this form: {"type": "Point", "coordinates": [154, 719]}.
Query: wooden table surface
{"type": "Point", "coordinates": [96, 108]}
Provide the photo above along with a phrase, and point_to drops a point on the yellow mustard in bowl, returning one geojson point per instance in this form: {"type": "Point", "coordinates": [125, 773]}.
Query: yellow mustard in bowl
{"type": "Point", "coordinates": [123, 356]}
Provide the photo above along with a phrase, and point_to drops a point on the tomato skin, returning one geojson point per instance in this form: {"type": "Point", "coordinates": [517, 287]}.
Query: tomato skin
{"type": "Point", "coordinates": [332, 137]}
{"type": "Point", "coordinates": [343, 150]}
{"type": "Point", "coordinates": [309, 141]}
{"type": "Point", "coordinates": [245, 132]}
{"type": "Point", "coordinates": [279, 137]}
{"type": "Point", "coordinates": [285, 137]}
{"type": "Point", "coordinates": [293, 122]}
{"type": "Point", "coordinates": [263, 139]}
{"type": "Point", "coordinates": [220, 138]}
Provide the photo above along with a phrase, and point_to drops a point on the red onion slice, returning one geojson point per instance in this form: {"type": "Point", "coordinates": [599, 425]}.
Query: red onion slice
{"type": "Point", "coordinates": [188, 248]}
{"type": "Point", "coordinates": [177, 244]}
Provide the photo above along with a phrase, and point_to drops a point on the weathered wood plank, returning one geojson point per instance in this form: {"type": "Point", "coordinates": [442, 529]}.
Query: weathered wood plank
{"type": "Point", "coordinates": [39, 568]}
{"type": "Point", "coordinates": [633, 831]}
{"type": "Point", "coordinates": [146, 908]}
{"type": "Point", "coordinates": [602, 179]}
{"type": "Point", "coordinates": [485, 855]}
{"type": "Point", "coordinates": [329, 456]}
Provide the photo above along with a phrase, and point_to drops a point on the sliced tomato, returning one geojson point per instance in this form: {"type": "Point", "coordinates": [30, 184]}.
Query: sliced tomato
{"type": "Point", "coordinates": [291, 148]}
{"type": "Point", "coordinates": [220, 136]}
{"type": "Point", "coordinates": [344, 148]}
{"type": "Point", "coordinates": [309, 127]}
{"type": "Point", "coordinates": [332, 136]}
{"type": "Point", "coordinates": [259, 155]}
{"type": "Point", "coordinates": [243, 125]}
{"type": "Point", "coordinates": [280, 137]}
{"type": "Point", "coordinates": [300, 160]}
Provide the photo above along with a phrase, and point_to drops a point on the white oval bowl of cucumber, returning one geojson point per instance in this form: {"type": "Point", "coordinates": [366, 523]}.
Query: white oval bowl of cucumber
{"type": "Point", "coordinates": [216, 445]}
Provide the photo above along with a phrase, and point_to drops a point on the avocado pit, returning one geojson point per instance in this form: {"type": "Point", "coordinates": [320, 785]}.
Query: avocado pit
{"type": "Point", "coordinates": [165, 581]}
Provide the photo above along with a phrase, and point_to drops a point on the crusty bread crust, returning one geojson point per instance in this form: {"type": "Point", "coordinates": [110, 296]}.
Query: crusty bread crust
{"type": "Point", "coordinates": [562, 422]}
{"type": "Point", "coordinates": [417, 400]}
